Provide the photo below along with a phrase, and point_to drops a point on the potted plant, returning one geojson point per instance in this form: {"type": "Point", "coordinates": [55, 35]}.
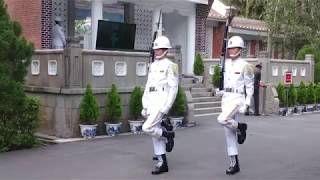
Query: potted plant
{"type": "Point", "coordinates": [301, 97]}
{"type": "Point", "coordinates": [113, 111]}
{"type": "Point", "coordinates": [311, 97]}
{"type": "Point", "coordinates": [216, 76]}
{"type": "Point", "coordinates": [292, 100]}
{"type": "Point", "coordinates": [178, 109]}
{"type": "Point", "coordinates": [198, 68]}
{"type": "Point", "coordinates": [282, 99]}
{"type": "Point", "coordinates": [317, 91]}
{"type": "Point", "coordinates": [89, 112]}
{"type": "Point", "coordinates": [135, 106]}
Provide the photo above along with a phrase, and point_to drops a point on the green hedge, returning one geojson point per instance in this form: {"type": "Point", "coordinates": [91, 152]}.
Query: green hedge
{"type": "Point", "coordinates": [281, 95]}
{"type": "Point", "coordinates": [302, 92]}
{"type": "Point", "coordinates": [293, 96]}
{"type": "Point", "coordinates": [311, 94]}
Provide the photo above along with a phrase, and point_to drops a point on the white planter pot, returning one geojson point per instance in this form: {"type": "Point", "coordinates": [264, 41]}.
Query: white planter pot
{"type": "Point", "coordinates": [199, 79]}
{"type": "Point", "coordinates": [318, 107]}
{"type": "Point", "coordinates": [176, 122]}
{"type": "Point", "coordinates": [290, 110]}
{"type": "Point", "coordinates": [310, 107]}
{"type": "Point", "coordinates": [88, 131]}
{"type": "Point", "coordinates": [113, 129]}
{"type": "Point", "coordinates": [300, 109]}
{"type": "Point", "coordinates": [282, 111]}
{"type": "Point", "coordinates": [136, 126]}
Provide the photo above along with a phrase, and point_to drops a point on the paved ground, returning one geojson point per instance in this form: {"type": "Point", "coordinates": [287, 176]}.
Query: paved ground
{"type": "Point", "coordinates": [276, 148]}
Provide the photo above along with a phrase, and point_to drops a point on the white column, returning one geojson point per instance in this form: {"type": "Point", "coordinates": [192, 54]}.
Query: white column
{"type": "Point", "coordinates": [191, 43]}
{"type": "Point", "coordinates": [155, 20]}
{"type": "Point", "coordinates": [96, 14]}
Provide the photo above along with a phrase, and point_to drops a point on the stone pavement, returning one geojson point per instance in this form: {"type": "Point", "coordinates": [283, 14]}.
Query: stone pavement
{"type": "Point", "coordinates": [277, 148]}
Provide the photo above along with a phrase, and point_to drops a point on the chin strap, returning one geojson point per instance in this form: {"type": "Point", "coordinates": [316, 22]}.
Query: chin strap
{"type": "Point", "coordinates": [236, 55]}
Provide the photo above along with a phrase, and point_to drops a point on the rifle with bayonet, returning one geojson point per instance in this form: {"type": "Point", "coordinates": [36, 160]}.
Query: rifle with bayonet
{"type": "Point", "coordinates": [224, 50]}
{"type": "Point", "coordinates": [155, 34]}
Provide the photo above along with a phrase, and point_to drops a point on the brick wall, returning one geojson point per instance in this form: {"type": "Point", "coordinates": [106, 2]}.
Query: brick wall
{"type": "Point", "coordinates": [46, 24]}
{"type": "Point", "coordinates": [218, 40]}
{"type": "Point", "coordinates": [201, 17]}
{"type": "Point", "coordinates": [28, 14]}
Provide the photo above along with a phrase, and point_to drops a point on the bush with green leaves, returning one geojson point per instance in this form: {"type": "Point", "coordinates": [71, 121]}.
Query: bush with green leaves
{"type": "Point", "coordinates": [216, 76]}
{"type": "Point", "coordinates": [89, 108]}
{"type": "Point", "coordinates": [198, 67]}
{"type": "Point", "coordinates": [311, 94]}
{"type": "Point", "coordinates": [17, 125]}
{"type": "Point", "coordinates": [308, 49]}
{"type": "Point", "coordinates": [281, 95]}
{"type": "Point", "coordinates": [302, 98]}
{"type": "Point", "coordinates": [317, 72]}
{"type": "Point", "coordinates": [317, 92]}
{"type": "Point", "coordinates": [293, 96]}
{"type": "Point", "coordinates": [113, 105]}
{"type": "Point", "coordinates": [135, 103]}
{"type": "Point", "coordinates": [179, 106]}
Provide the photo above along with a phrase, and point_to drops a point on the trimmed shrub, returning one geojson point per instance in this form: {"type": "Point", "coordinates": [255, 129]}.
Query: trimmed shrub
{"type": "Point", "coordinates": [317, 72]}
{"type": "Point", "coordinates": [89, 108]}
{"type": "Point", "coordinates": [281, 95]}
{"type": "Point", "coordinates": [216, 76]}
{"type": "Point", "coordinates": [198, 67]}
{"type": "Point", "coordinates": [293, 96]}
{"type": "Point", "coordinates": [317, 92]}
{"type": "Point", "coordinates": [311, 95]}
{"type": "Point", "coordinates": [113, 105]}
{"type": "Point", "coordinates": [136, 103]}
{"type": "Point", "coordinates": [179, 106]}
{"type": "Point", "coordinates": [302, 98]}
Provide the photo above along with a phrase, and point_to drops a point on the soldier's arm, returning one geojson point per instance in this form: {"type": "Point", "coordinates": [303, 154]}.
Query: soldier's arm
{"type": "Point", "coordinates": [248, 76]}
{"type": "Point", "coordinates": [173, 82]}
{"type": "Point", "coordinates": [146, 89]}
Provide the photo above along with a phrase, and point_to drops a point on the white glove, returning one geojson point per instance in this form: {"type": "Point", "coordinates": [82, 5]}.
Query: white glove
{"type": "Point", "coordinates": [144, 113]}
{"type": "Point", "coordinates": [218, 92]}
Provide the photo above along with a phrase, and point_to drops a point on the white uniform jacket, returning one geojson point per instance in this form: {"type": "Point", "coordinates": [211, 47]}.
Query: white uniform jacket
{"type": "Point", "coordinates": [59, 39]}
{"type": "Point", "coordinates": [162, 86]}
{"type": "Point", "coordinates": [238, 80]}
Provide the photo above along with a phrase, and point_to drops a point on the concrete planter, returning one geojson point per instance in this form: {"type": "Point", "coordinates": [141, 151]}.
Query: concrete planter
{"type": "Point", "coordinates": [136, 126]}
{"type": "Point", "coordinates": [176, 121]}
{"type": "Point", "coordinates": [88, 131]}
{"type": "Point", "coordinates": [113, 129]}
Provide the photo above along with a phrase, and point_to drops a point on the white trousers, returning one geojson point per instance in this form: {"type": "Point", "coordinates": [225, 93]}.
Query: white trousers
{"type": "Point", "coordinates": [231, 139]}
{"type": "Point", "coordinates": [152, 126]}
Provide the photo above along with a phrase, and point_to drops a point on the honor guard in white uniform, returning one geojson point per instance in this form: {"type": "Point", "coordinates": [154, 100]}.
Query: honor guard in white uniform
{"type": "Point", "coordinates": [59, 39]}
{"type": "Point", "coordinates": [238, 80]}
{"type": "Point", "coordinates": [159, 95]}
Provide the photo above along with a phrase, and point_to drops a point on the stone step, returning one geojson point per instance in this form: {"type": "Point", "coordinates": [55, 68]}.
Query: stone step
{"type": "Point", "coordinates": [207, 110]}
{"type": "Point", "coordinates": [189, 86]}
{"type": "Point", "coordinates": [187, 80]}
{"type": "Point", "coordinates": [207, 104]}
{"type": "Point", "coordinates": [206, 99]}
{"type": "Point", "coordinates": [200, 90]}
{"type": "Point", "coordinates": [201, 94]}
{"type": "Point", "coordinates": [207, 115]}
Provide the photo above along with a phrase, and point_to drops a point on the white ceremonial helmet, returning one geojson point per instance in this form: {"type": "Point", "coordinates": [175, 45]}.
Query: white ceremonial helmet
{"type": "Point", "coordinates": [235, 42]}
{"type": "Point", "coordinates": [161, 42]}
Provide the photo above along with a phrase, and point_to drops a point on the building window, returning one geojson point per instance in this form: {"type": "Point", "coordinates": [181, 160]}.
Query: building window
{"type": "Point", "coordinates": [294, 71]}
{"type": "Point", "coordinates": [141, 69]}
{"type": "Point", "coordinates": [274, 70]}
{"type": "Point", "coordinates": [97, 68]}
{"type": "Point", "coordinates": [284, 70]}
{"type": "Point", "coordinates": [52, 68]}
{"type": "Point", "coordinates": [120, 68]}
{"type": "Point", "coordinates": [303, 71]}
{"type": "Point", "coordinates": [35, 67]}
{"type": "Point", "coordinates": [113, 12]}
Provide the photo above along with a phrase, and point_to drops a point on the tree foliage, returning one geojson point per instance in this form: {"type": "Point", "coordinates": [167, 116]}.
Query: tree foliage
{"type": "Point", "coordinates": [113, 105]}
{"type": "Point", "coordinates": [89, 108]}
{"type": "Point", "coordinates": [302, 99]}
{"type": "Point", "coordinates": [136, 103]}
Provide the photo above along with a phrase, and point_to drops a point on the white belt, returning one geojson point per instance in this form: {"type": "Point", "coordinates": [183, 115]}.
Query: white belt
{"type": "Point", "coordinates": [232, 90]}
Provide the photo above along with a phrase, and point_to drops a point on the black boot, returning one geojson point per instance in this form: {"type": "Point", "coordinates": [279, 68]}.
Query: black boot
{"type": "Point", "coordinates": [161, 166]}
{"type": "Point", "coordinates": [242, 135]}
{"type": "Point", "coordinates": [170, 141]}
{"type": "Point", "coordinates": [234, 165]}
{"type": "Point", "coordinates": [167, 124]}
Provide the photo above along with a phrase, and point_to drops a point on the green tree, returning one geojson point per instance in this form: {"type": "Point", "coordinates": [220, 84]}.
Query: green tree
{"type": "Point", "coordinates": [179, 106]}
{"type": "Point", "coordinates": [198, 67]}
{"type": "Point", "coordinates": [113, 105]}
{"type": "Point", "coordinates": [308, 49]}
{"type": "Point", "coordinates": [311, 95]}
{"type": "Point", "coordinates": [293, 95]}
{"type": "Point", "coordinates": [136, 103]}
{"type": "Point", "coordinates": [249, 8]}
{"type": "Point", "coordinates": [302, 100]}
{"type": "Point", "coordinates": [317, 92]}
{"type": "Point", "coordinates": [89, 108]}
{"type": "Point", "coordinates": [216, 76]}
{"type": "Point", "coordinates": [281, 95]}
{"type": "Point", "coordinates": [15, 56]}
{"type": "Point", "coordinates": [317, 72]}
